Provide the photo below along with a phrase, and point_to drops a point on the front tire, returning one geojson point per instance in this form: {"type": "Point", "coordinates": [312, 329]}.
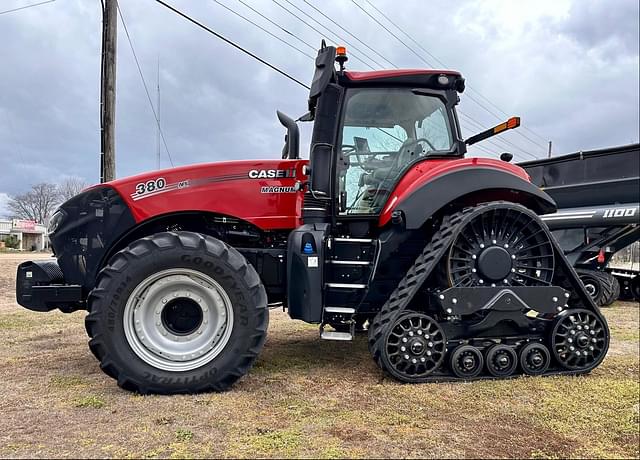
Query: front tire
{"type": "Point", "coordinates": [177, 313]}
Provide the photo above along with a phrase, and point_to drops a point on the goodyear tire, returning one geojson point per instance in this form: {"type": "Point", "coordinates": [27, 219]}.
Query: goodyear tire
{"type": "Point", "coordinates": [177, 312]}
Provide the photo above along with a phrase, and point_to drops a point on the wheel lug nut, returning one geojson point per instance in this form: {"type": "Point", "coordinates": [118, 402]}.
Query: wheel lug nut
{"type": "Point", "coordinates": [579, 327]}
{"type": "Point", "coordinates": [404, 339]}
{"type": "Point", "coordinates": [513, 256]}
{"type": "Point", "coordinates": [555, 299]}
{"type": "Point", "coordinates": [441, 296]}
{"type": "Point", "coordinates": [410, 333]}
{"type": "Point", "coordinates": [449, 310]}
{"type": "Point", "coordinates": [428, 352]}
{"type": "Point", "coordinates": [473, 270]}
{"type": "Point", "coordinates": [572, 332]}
{"type": "Point", "coordinates": [474, 257]}
{"type": "Point", "coordinates": [414, 360]}
{"type": "Point", "coordinates": [570, 340]}
{"type": "Point", "coordinates": [481, 245]}
{"type": "Point", "coordinates": [591, 347]}
{"type": "Point", "coordinates": [571, 348]}
{"type": "Point", "coordinates": [586, 327]}
{"type": "Point", "coordinates": [403, 348]}
{"type": "Point", "coordinates": [592, 332]}
{"type": "Point", "coordinates": [594, 340]}
{"type": "Point", "coordinates": [422, 360]}
{"type": "Point", "coordinates": [494, 241]}
{"type": "Point", "coordinates": [506, 246]}
{"type": "Point", "coordinates": [430, 344]}
{"type": "Point", "coordinates": [406, 356]}
{"type": "Point", "coordinates": [419, 331]}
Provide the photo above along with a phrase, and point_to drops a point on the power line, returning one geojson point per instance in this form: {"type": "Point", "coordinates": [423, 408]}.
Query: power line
{"type": "Point", "coordinates": [444, 65]}
{"type": "Point", "coordinates": [315, 29]}
{"type": "Point", "coordinates": [344, 29]}
{"type": "Point", "coordinates": [392, 34]}
{"type": "Point", "coordinates": [277, 25]}
{"type": "Point", "coordinates": [335, 33]}
{"type": "Point", "coordinates": [235, 45]}
{"type": "Point", "coordinates": [144, 83]}
{"type": "Point", "coordinates": [26, 6]}
{"type": "Point", "coordinates": [263, 29]}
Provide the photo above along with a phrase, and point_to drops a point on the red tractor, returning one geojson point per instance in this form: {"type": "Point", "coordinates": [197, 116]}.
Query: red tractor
{"type": "Point", "coordinates": [386, 227]}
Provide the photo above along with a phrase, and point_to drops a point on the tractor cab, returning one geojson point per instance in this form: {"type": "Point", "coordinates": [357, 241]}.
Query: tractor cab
{"type": "Point", "coordinates": [370, 127]}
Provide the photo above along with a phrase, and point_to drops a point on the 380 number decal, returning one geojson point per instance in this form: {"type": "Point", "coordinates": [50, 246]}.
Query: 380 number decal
{"type": "Point", "coordinates": [151, 186]}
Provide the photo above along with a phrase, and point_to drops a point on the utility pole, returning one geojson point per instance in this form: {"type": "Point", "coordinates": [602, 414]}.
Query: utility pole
{"type": "Point", "coordinates": [158, 127]}
{"type": "Point", "coordinates": [549, 149]}
{"type": "Point", "coordinates": [108, 91]}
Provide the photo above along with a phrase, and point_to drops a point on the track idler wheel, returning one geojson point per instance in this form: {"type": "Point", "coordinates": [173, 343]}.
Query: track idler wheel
{"type": "Point", "coordinates": [414, 348]}
{"type": "Point", "coordinates": [501, 360]}
{"type": "Point", "coordinates": [466, 362]}
{"type": "Point", "coordinates": [534, 359]}
{"type": "Point", "coordinates": [579, 340]}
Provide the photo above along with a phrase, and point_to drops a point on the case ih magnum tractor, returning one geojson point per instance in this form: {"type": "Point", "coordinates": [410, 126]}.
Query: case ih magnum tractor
{"type": "Point", "coordinates": [387, 224]}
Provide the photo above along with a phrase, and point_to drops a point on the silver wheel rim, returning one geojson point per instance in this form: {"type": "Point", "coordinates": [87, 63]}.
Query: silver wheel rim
{"type": "Point", "coordinates": [155, 342]}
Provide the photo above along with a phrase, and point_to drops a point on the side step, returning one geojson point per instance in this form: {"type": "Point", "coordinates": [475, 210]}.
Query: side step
{"type": "Point", "coordinates": [348, 318]}
{"type": "Point", "coordinates": [334, 335]}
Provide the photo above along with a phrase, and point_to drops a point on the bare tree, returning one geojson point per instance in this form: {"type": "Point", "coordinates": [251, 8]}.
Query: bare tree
{"type": "Point", "coordinates": [37, 204]}
{"type": "Point", "coordinates": [70, 187]}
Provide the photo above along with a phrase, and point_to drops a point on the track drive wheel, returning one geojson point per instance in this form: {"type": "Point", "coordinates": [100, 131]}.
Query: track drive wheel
{"type": "Point", "coordinates": [579, 340]}
{"type": "Point", "coordinates": [413, 349]}
{"type": "Point", "coordinates": [177, 312]}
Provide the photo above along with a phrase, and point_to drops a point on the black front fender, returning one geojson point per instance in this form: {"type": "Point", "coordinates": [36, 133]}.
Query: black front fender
{"type": "Point", "coordinates": [472, 185]}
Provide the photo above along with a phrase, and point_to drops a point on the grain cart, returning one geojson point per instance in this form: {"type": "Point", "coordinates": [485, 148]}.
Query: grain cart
{"type": "Point", "coordinates": [387, 224]}
{"type": "Point", "coordinates": [598, 196]}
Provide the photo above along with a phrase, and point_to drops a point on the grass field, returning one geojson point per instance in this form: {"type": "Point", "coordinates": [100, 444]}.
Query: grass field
{"type": "Point", "coordinates": [304, 398]}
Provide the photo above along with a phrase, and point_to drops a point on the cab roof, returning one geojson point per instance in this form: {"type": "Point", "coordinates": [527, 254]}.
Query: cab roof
{"type": "Point", "coordinates": [410, 77]}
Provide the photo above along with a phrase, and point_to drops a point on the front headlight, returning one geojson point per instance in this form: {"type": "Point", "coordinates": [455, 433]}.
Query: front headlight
{"type": "Point", "coordinates": [55, 221]}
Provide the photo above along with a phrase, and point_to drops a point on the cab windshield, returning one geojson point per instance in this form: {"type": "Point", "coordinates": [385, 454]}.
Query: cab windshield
{"type": "Point", "coordinates": [384, 131]}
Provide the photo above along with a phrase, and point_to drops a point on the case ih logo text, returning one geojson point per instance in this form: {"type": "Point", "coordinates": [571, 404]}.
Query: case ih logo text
{"type": "Point", "coordinates": [272, 173]}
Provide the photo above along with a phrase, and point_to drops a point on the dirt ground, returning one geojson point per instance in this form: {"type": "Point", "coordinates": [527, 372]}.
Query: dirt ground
{"type": "Point", "coordinates": [304, 398]}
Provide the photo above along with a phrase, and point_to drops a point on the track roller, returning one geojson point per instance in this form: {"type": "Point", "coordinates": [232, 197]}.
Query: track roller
{"type": "Point", "coordinates": [466, 362]}
{"type": "Point", "coordinates": [501, 360]}
{"type": "Point", "coordinates": [534, 359]}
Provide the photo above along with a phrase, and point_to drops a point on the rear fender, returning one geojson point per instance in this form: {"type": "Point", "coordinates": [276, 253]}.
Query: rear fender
{"type": "Point", "coordinates": [467, 186]}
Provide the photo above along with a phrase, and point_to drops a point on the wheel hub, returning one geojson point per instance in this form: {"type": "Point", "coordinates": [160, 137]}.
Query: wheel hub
{"type": "Point", "coordinates": [181, 316]}
{"type": "Point", "coordinates": [494, 263]}
{"type": "Point", "coordinates": [417, 347]}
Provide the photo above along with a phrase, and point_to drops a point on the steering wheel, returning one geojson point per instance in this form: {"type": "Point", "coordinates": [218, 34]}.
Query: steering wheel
{"type": "Point", "coordinates": [347, 149]}
{"type": "Point", "coordinates": [417, 141]}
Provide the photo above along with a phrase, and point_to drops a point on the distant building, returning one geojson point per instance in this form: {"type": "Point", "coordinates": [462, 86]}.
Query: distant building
{"type": "Point", "coordinates": [30, 235]}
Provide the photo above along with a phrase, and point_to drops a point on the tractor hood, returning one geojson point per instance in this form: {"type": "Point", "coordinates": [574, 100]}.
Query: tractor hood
{"type": "Point", "coordinates": [257, 191]}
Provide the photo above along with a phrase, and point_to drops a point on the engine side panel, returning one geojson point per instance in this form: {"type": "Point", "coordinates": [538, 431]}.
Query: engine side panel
{"type": "Point", "coordinates": [260, 192]}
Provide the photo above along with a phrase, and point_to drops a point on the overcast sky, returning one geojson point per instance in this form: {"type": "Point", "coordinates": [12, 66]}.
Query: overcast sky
{"type": "Point", "coordinates": [569, 68]}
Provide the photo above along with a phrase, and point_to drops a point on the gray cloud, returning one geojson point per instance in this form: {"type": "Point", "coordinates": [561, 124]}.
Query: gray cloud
{"type": "Point", "coordinates": [570, 69]}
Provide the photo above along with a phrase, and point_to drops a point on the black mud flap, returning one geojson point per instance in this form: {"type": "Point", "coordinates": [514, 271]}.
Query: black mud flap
{"type": "Point", "coordinates": [40, 287]}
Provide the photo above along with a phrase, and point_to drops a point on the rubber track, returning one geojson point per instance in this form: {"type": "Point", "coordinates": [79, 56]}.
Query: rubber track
{"type": "Point", "coordinates": [413, 280]}
{"type": "Point", "coordinates": [158, 242]}
{"type": "Point", "coordinates": [565, 276]}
